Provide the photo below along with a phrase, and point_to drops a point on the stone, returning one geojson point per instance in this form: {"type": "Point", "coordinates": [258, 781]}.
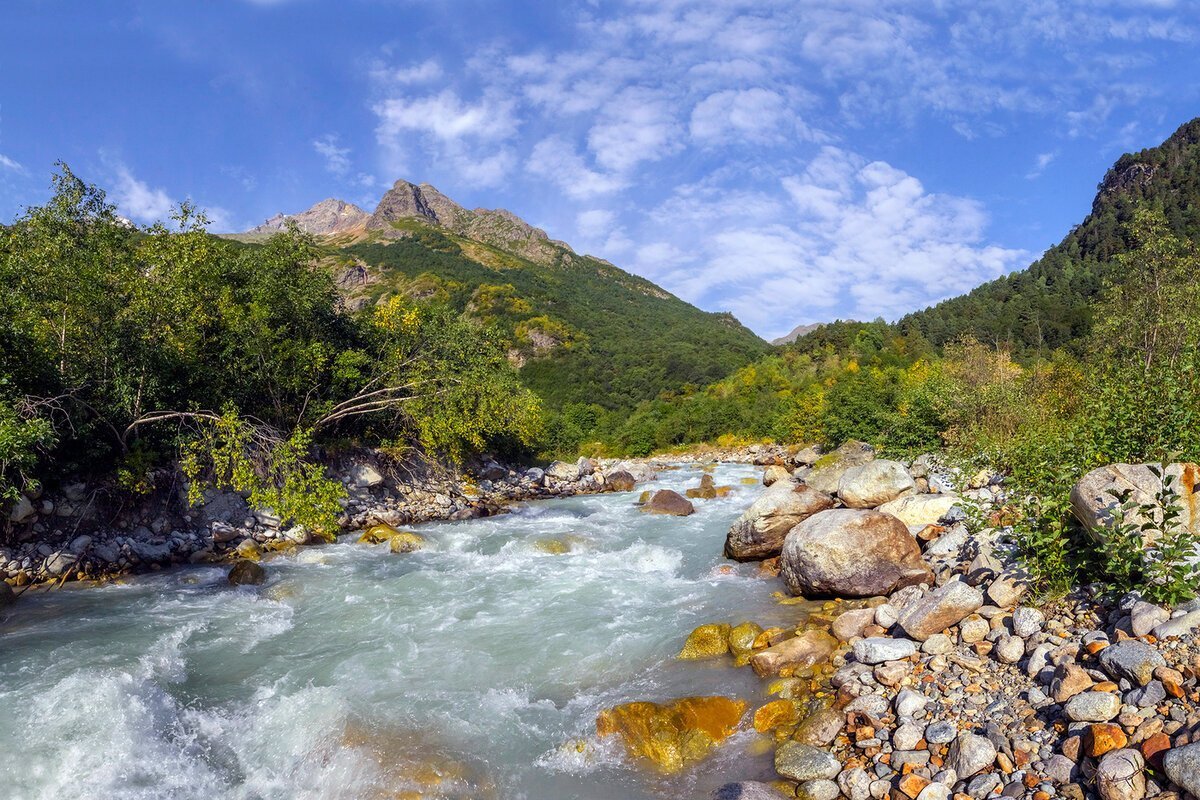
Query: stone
{"type": "Point", "coordinates": [970, 754]}
{"type": "Point", "coordinates": [246, 573]}
{"type": "Point", "coordinates": [878, 649]}
{"type": "Point", "coordinates": [1144, 617]}
{"type": "Point", "coordinates": [1102, 738]}
{"type": "Point", "coordinates": [223, 532]}
{"type": "Point", "coordinates": [1132, 660]}
{"type": "Point", "coordinates": [1148, 696]}
{"type": "Point", "coordinates": [59, 562]}
{"type": "Point", "coordinates": [1009, 650]}
{"type": "Point", "coordinates": [619, 481]}
{"type": "Point", "coordinates": [1061, 769]}
{"type": "Point", "coordinates": [907, 736]}
{"type": "Point", "coordinates": [563, 472]}
{"type": "Point", "coordinates": [892, 673]}
{"type": "Point", "coordinates": [819, 789]}
{"type": "Point", "coordinates": [940, 732]}
{"type": "Point", "coordinates": [803, 762]}
{"type": "Point", "coordinates": [22, 511]}
{"type": "Point", "coordinates": [851, 553]}
{"type": "Point", "coordinates": [983, 786]}
{"type": "Point", "coordinates": [940, 609]}
{"type": "Point", "coordinates": [672, 735]}
{"type": "Point", "coordinates": [827, 471]}
{"type": "Point", "coordinates": [909, 703]}
{"type": "Point", "coordinates": [706, 641]}
{"type": "Point", "coordinates": [366, 476]}
{"type": "Point", "coordinates": [775, 473]}
{"type": "Point", "coordinates": [1177, 626]}
{"type": "Point", "coordinates": [820, 728]}
{"type": "Point", "coordinates": [405, 542]}
{"type": "Point", "coordinates": [1069, 680]}
{"type": "Point", "coordinates": [7, 595]}
{"type": "Point", "coordinates": [935, 791]}
{"type": "Point", "coordinates": [776, 714]}
{"type": "Point", "coordinates": [1027, 621]}
{"type": "Point", "coordinates": [973, 628]}
{"type": "Point", "coordinates": [809, 648]}
{"type": "Point", "coordinates": [1007, 590]}
{"type": "Point", "coordinates": [920, 510]}
{"type": "Point", "coordinates": [855, 783]}
{"type": "Point", "coordinates": [1121, 776]}
{"type": "Point", "coordinates": [851, 624]}
{"type": "Point", "coordinates": [1092, 500]}
{"type": "Point", "coordinates": [761, 529]}
{"type": "Point", "coordinates": [1092, 707]}
{"type": "Point", "coordinates": [669, 502]}
{"type": "Point", "coordinates": [747, 790]}
{"type": "Point", "coordinates": [1182, 765]}
{"type": "Point", "coordinates": [874, 483]}
{"type": "Point", "coordinates": [741, 642]}
{"type": "Point", "coordinates": [938, 645]}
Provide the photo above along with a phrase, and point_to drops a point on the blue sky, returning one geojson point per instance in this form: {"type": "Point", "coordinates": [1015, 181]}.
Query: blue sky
{"type": "Point", "coordinates": [789, 161]}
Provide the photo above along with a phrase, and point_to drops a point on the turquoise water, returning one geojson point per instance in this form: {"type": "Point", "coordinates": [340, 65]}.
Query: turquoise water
{"type": "Point", "coordinates": [355, 673]}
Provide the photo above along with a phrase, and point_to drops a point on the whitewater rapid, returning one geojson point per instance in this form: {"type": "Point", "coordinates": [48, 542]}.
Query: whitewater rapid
{"type": "Point", "coordinates": [473, 669]}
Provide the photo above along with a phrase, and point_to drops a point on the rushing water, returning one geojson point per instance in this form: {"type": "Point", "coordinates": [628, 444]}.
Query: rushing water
{"type": "Point", "coordinates": [462, 671]}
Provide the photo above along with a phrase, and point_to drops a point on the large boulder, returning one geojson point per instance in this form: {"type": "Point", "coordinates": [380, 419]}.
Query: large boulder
{"type": "Point", "coordinates": [875, 483]}
{"type": "Point", "coordinates": [852, 553]}
{"type": "Point", "coordinates": [919, 510]}
{"type": "Point", "coordinates": [619, 481]}
{"type": "Point", "coordinates": [670, 502]}
{"type": "Point", "coordinates": [1093, 502]}
{"type": "Point", "coordinates": [760, 531]}
{"type": "Point", "coordinates": [246, 573]}
{"type": "Point", "coordinates": [562, 471]}
{"type": "Point", "coordinates": [640, 470]}
{"type": "Point", "coordinates": [827, 471]}
{"type": "Point", "coordinates": [775, 473]}
{"type": "Point", "coordinates": [22, 511]}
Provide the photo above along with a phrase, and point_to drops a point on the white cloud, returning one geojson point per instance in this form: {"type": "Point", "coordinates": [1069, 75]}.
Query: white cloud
{"type": "Point", "coordinates": [337, 158]}
{"type": "Point", "coordinates": [1040, 163]}
{"type": "Point", "coordinates": [554, 160]}
{"type": "Point", "coordinates": [8, 163]}
{"type": "Point", "coordinates": [635, 126]}
{"type": "Point", "coordinates": [425, 72]}
{"type": "Point", "coordinates": [445, 116]}
{"type": "Point", "coordinates": [595, 222]}
{"type": "Point", "coordinates": [743, 116]}
{"type": "Point", "coordinates": [138, 201]}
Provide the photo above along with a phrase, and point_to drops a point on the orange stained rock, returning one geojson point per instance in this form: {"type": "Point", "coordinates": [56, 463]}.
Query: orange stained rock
{"type": "Point", "coordinates": [776, 714]}
{"type": "Point", "coordinates": [673, 734]}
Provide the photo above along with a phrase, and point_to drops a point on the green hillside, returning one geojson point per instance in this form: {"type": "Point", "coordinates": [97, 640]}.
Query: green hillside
{"type": "Point", "coordinates": [1049, 304]}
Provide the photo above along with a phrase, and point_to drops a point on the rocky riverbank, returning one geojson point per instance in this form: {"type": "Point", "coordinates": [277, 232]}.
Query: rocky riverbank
{"type": "Point", "coordinates": [84, 532]}
{"type": "Point", "coordinates": [930, 672]}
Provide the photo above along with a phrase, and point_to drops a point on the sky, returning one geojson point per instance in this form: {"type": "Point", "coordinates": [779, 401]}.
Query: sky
{"type": "Point", "coordinates": [791, 162]}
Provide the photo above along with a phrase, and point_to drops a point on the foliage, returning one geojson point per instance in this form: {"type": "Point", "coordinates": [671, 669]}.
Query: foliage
{"type": "Point", "coordinates": [125, 340]}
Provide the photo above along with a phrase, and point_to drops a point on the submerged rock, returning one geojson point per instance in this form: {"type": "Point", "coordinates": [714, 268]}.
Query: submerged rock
{"type": "Point", "coordinates": [852, 553]}
{"type": "Point", "coordinates": [667, 501]}
{"type": "Point", "coordinates": [246, 573]}
{"type": "Point", "coordinates": [707, 641]}
{"type": "Point", "coordinates": [674, 734]}
{"type": "Point", "coordinates": [741, 642]}
{"type": "Point", "coordinates": [760, 531]}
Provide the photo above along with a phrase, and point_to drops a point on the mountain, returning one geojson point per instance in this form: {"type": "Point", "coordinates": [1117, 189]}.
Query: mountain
{"type": "Point", "coordinates": [580, 329]}
{"type": "Point", "coordinates": [796, 333]}
{"type": "Point", "coordinates": [1049, 304]}
{"type": "Point", "coordinates": [326, 218]}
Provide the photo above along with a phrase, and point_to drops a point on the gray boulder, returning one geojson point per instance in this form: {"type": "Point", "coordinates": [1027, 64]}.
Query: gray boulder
{"type": "Point", "coordinates": [940, 609]}
{"type": "Point", "coordinates": [803, 762]}
{"type": "Point", "coordinates": [1182, 765]}
{"type": "Point", "coordinates": [760, 531]}
{"type": "Point", "coordinates": [970, 754]}
{"type": "Point", "coordinates": [827, 471]}
{"type": "Point", "coordinates": [1133, 660]}
{"type": "Point", "coordinates": [1093, 503]}
{"type": "Point", "coordinates": [874, 483]}
{"type": "Point", "coordinates": [851, 553]}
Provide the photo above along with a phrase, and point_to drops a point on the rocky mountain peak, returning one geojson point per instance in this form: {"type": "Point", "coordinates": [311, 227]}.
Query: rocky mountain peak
{"type": "Point", "coordinates": [328, 217]}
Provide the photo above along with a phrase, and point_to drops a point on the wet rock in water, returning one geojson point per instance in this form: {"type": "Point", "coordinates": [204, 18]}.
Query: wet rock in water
{"type": "Point", "coordinates": [809, 648]}
{"type": "Point", "coordinates": [1182, 765]}
{"type": "Point", "coordinates": [619, 481]}
{"type": "Point", "coordinates": [747, 790]}
{"type": "Point", "coordinates": [760, 531]}
{"type": "Point", "coordinates": [741, 642]}
{"type": "Point", "coordinates": [920, 509]}
{"type": "Point", "coordinates": [827, 471]}
{"type": "Point", "coordinates": [674, 734]}
{"type": "Point", "coordinates": [249, 550]}
{"type": "Point", "coordinates": [7, 595]}
{"type": "Point", "coordinates": [776, 714]}
{"type": "Point", "coordinates": [940, 609]}
{"type": "Point", "coordinates": [1121, 776]}
{"type": "Point", "coordinates": [1092, 707]}
{"type": "Point", "coordinates": [818, 789]}
{"type": "Point", "coordinates": [851, 553]}
{"type": "Point", "coordinates": [970, 754]}
{"type": "Point", "coordinates": [669, 502]}
{"type": "Point", "coordinates": [775, 473]}
{"type": "Point", "coordinates": [803, 762]}
{"type": "Point", "coordinates": [246, 573]}
{"type": "Point", "coordinates": [406, 542]}
{"type": "Point", "coordinates": [1132, 660]}
{"type": "Point", "coordinates": [706, 641]}
{"type": "Point", "coordinates": [874, 483]}
{"type": "Point", "coordinates": [879, 649]}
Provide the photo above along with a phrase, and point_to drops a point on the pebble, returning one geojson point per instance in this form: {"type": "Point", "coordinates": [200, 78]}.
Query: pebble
{"type": "Point", "coordinates": [909, 703]}
{"type": "Point", "coordinates": [940, 732]}
{"type": "Point", "coordinates": [1092, 707]}
{"type": "Point", "coordinates": [1027, 621]}
{"type": "Point", "coordinates": [1009, 650]}
{"type": "Point", "coordinates": [970, 754]}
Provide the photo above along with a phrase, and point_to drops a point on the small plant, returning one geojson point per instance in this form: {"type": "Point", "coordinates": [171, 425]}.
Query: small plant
{"type": "Point", "coordinates": [1149, 548]}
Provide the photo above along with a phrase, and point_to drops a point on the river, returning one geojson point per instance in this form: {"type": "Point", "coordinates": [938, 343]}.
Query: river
{"type": "Point", "coordinates": [472, 669]}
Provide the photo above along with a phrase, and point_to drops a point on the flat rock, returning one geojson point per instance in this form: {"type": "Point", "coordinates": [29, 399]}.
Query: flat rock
{"type": "Point", "coordinates": [1132, 660]}
{"type": "Point", "coordinates": [851, 553]}
{"type": "Point", "coordinates": [874, 483]}
{"type": "Point", "coordinates": [940, 609]}
{"type": "Point", "coordinates": [809, 648]}
{"type": "Point", "coordinates": [920, 509]}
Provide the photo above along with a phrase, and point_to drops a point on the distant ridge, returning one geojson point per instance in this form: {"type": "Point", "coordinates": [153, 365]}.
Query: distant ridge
{"type": "Point", "coordinates": [327, 218]}
{"type": "Point", "coordinates": [796, 333]}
